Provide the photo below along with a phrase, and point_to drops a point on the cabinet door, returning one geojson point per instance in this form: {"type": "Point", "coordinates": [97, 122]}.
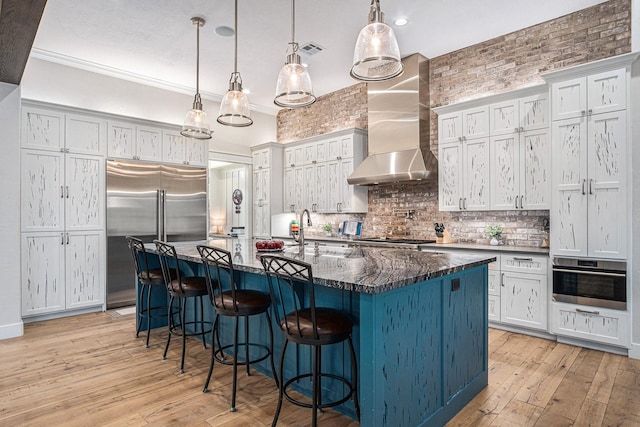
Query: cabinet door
{"type": "Point", "coordinates": [42, 191]}
{"type": "Point", "coordinates": [504, 117]}
{"type": "Point", "coordinates": [121, 139]}
{"type": "Point", "coordinates": [298, 195]}
{"type": "Point", "coordinates": [476, 174]}
{"type": "Point", "coordinates": [533, 112]}
{"type": "Point", "coordinates": [450, 127]}
{"type": "Point", "coordinates": [583, 322]}
{"type": "Point", "coordinates": [524, 300]}
{"type": "Point", "coordinates": [333, 183]}
{"type": "Point", "coordinates": [196, 152]}
{"type": "Point", "coordinates": [309, 190]}
{"type": "Point", "coordinates": [607, 201]}
{"type": "Point", "coordinates": [607, 92]}
{"type": "Point", "coordinates": [321, 151]}
{"type": "Point", "coordinates": [149, 143]}
{"type": "Point", "coordinates": [258, 221]}
{"type": "Point", "coordinates": [475, 122]}
{"type": "Point", "coordinates": [450, 176]}
{"type": "Point", "coordinates": [42, 129]}
{"type": "Point", "coordinates": [535, 169]}
{"type": "Point", "coordinates": [85, 269]}
{"type": "Point", "coordinates": [347, 191]}
{"type": "Point", "coordinates": [173, 147]}
{"type": "Point", "coordinates": [85, 192]}
{"type": "Point", "coordinates": [261, 159]}
{"type": "Point", "coordinates": [85, 135]}
{"type": "Point", "coordinates": [493, 309]}
{"type": "Point", "coordinates": [568, 213]}
{"type": "Point", "coordinates": [346, 146]}
{"type": "Point", "coordinates": [42, 273]}
{"type": "Point", "coordinates": [321, 177]}
{"type": "Point", "coordinates": [569, 98]}
{"type": "Point", "coordinates": [289, 190]}
{"type": "Point", "coordinates": [310, 153]}
{"type": "Point", "coordinates": [334, 149]}
{"type": "Point", "coordinates": [504, 173]}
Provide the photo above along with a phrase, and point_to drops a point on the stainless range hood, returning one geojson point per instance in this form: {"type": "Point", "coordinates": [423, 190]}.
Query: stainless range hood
{"type": "Point", "coordinates": [398, 140]}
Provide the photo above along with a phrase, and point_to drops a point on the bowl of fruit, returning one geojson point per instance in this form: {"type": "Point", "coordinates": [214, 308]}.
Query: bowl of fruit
{"type": "Point", "coordinates": [269, 245]}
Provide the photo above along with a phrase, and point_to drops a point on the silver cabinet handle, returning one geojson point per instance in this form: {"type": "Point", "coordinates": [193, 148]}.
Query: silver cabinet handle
{"type": "Point", "coordinates": [515, 258]}
{"type": "Point", "coordinates": [460, 138]}
{"type": "Point", "coordinates": [62, 192]}
{"type": "Point", "coordinates": [62, 238]}
{"type": "Point", "coordinates": [464, 203]}
{"type": "Point", "coordinates": [584, 182]}
{"type": "Point", "coordinates": [67, 238]}
{"type": "Point", "coordinates": [521, 129]}
{"type": "Point", "coordinates": [590, 273]}
{"type": "Point", "coordinates": [595, 313]}
{"type": "Point", "coordinates": [516, 202]}
{"type": "Point", "coordinates": [460, 203]}
{"type": "Point", "coordinates": [67, 189]}
{"type": "Point", "coordinates": [582, 112]}
{"type": "Point", "coordinates": [590, 112]}
{"type": "Point", "coordinates": [521, 199]}
{"type": "Point", "coordinates": [590, 185]}
{"type": "Point", "coordinates": [61, 150]}
{"type": "Point", "coordinates": [502, 279]}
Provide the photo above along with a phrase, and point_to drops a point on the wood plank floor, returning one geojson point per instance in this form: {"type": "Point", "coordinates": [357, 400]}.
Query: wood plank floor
{"type": "Point", "coordinates": [89, 370]}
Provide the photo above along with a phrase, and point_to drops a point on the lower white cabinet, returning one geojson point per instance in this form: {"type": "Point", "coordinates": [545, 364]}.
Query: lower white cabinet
{"type": "Point", "coordinates": [62, 271]}
{"type": "Point", "coordinates": [494, 290]}
{"type": "Point", "coordinates": [262, 220]}
{"type": "Point", "coordinates": [589, 323]}
{"type": "Point", "coordinates": [523, 298]}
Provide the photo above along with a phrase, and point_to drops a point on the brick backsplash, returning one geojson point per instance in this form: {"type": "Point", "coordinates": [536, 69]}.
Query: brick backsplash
{"type": "Point", "coordinates": [502, 64]}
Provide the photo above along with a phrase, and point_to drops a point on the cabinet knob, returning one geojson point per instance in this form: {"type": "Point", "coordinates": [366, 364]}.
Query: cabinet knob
{"type": "Point", "coordinates": [582, 112]}
{"type": "Point", "coordinates": [590, 112]}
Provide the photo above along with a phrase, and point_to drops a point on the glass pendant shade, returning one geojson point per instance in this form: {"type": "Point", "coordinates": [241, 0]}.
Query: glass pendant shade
{"type": "Point", "coordinates": [234, 109]}
{"type": "Point", "coordinates": [377, 55]}
{"type": "Point", "coordinates": [294, 89]}
{"type": "Point", "coordinates": [196, 123]}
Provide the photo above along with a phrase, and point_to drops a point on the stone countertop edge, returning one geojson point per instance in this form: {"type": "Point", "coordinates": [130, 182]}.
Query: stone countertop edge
{"type": "Point", "coordinates": [480, 247]}
{"type": "Point", "coordinates": [373, 271]}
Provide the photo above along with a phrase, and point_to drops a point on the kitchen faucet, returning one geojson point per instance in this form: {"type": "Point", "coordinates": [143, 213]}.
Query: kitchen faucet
{"type": "Point", "coordinates": [300, 238]}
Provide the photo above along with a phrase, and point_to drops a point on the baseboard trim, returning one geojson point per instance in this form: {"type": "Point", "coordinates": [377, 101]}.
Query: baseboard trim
{"type": "Point", "coordinates": [11, 331]}
{"type": "Point", "coordinates": [634, 351]}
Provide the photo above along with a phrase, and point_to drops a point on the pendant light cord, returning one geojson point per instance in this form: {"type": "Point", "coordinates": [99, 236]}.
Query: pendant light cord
{"type": "Point", "coordinates": [198, 57]}
{"type": "Point", "coordinates": [294, 45]}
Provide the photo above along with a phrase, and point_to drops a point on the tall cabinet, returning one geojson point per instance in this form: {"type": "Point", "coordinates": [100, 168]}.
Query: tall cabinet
{"type": "Point", "coordinates": [63, 210]}
{"type": "Point", "coordinates": [267, 182]}
{"type": "Point", "coordinates": [590, 164]}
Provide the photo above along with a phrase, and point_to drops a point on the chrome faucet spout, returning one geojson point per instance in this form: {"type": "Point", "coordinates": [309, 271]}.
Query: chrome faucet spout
{"type": "Point", "coordinates": [301, 227]}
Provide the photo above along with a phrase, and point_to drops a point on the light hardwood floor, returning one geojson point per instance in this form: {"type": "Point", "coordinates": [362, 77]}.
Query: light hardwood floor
{"type": "Point", "coordinates": [90, 370]}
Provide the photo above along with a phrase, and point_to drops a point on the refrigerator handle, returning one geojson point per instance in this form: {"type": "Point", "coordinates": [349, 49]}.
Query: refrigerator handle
{"type": "Point", "coordinates": [159, 214]}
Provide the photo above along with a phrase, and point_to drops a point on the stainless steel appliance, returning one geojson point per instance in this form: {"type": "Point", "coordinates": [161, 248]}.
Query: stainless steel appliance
{"type": "Point", "coordinates": [590, 282]}
{"type": "Point", "coordinates": [149, 201]}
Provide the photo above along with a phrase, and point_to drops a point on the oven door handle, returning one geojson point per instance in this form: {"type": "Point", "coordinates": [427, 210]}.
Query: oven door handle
{"type": "Point", "coordinates": [592, 273]}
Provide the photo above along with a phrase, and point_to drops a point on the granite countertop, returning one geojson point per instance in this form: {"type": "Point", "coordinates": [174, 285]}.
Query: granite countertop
{"type": "Point", "coordinates": [479, 247]}
{"type": "Point", "coordinates": [362, 269]}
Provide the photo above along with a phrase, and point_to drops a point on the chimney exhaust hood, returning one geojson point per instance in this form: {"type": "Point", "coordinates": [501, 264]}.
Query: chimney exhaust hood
{"type": "Point", "coordinates": [398, 139]}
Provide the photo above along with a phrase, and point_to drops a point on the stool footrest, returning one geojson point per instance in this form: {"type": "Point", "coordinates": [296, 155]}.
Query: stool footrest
{"type": "Point", "coordinates": [220, 359]}
{"type": "Point", "coordinates": [324, 404]}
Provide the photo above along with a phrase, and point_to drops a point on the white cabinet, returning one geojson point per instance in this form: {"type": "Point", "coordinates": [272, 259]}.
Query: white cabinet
{"type": "Point", "coordinates": [464, 175]}
{"type": "Point", "coordinates": [524, 291]}
{"type": "Point", "coordinates": [130, 141]}
{"type": "Point", "coordinates": [316, 172]}
{"type": "Point", "coordinates": [592, 324]}
{"type": "Point", "coordinates": [494, 290]}
{"type": "Point", "coordinates": [63, 211]}
{"type": "Point", "coordinates": [267, 180]}
{"type": "Point", "coordinates": [466, 124]}
{"type": "Point", "coordinates": [177, 149]}
{"type": "Point", "coordinates": [589, 213]}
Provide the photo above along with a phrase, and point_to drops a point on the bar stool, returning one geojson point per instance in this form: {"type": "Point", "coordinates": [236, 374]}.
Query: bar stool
{"type": "Point", "coordinates": [181, 288]}
{"type": "Point", "coordinates": [149, 279]}
{"type": "Point", "coordinates": [228, 300]}
{"type": "Point", "coordinates": [304, 323]}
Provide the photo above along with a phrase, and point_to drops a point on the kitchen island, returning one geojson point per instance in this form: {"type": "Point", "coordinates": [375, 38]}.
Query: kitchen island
{"type": "Point", "coordinates": [420, 326]}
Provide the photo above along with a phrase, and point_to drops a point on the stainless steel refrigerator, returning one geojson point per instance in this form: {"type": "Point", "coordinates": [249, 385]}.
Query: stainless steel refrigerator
{"type": "Point", "coordinates": [149, 201]}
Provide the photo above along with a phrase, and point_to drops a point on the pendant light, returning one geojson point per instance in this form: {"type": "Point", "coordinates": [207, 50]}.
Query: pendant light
{"type": "Point", "coordinates": [234, 109]}
{"type": "Point", "coordinates": [376, 56]}
{"type": "Point", "coordinates": [293, 89]}
{"type": "Point", "coordinates": [196, 123]}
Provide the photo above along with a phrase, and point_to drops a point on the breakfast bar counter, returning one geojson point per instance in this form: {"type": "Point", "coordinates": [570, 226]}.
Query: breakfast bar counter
{"type": "Point", "coordinates": [420, 325]}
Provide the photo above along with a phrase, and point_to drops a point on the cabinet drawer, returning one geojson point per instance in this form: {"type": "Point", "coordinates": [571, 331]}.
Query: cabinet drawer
{"type": "Point", "coordinates": [590, 323]}
{"type": "Point", "coordinates": [524, 263]}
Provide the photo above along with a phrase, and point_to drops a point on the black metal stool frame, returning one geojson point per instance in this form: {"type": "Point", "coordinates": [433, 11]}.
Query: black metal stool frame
{"type": "Point", "coordinates": [225, 296]}
{"type": "Point", "coordinates": [167, 252]}
{"type": "Point", "coordinates": [148, 279]}
{"type": "Point", "coordinates": [287, 279]}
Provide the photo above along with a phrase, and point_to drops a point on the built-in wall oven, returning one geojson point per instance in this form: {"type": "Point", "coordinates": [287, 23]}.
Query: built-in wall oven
{"type": "Point", "coordinates": [590, 282]}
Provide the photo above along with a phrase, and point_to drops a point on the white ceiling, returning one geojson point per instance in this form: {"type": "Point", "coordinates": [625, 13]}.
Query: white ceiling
{"type": "Point", "coordinates": [154, 40]}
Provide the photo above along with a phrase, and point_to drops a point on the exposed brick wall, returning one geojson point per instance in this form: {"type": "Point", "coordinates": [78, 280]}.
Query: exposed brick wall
{"type": "Point", "coordinates": [498, 65]}
{"type": "Point", "coordinates": [342, 109]}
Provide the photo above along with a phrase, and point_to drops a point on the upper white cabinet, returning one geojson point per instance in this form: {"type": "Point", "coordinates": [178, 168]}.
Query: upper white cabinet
{"type": "Point", "coordinates": [61, 131]}
{"type": "Point", "coordinates": [128, 141]}
{"type": "Point", "coordinates": [316, 172]}
{"type": "Point", "coordinates": [177, 149]}
{"type": "Point", "coordinates": [494, 152]}
{"type": "Point", "coordinates": [267, 181]}
{"type": "Point", "coordinates": [590, 163]}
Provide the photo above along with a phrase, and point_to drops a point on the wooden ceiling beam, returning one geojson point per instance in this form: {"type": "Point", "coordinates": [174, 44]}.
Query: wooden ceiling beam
{"type": "Point", "coordinates": [19, 20]}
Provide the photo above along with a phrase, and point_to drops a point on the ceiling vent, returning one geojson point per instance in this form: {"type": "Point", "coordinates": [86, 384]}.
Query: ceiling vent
{"type": "Point", "coordinates": [311, 48]}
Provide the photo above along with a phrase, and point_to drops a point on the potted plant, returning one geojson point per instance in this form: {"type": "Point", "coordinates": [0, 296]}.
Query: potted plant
{"type": "Point", "coordinates": [328, 228]}
{"type": "Point", "coordinates": [495, 232]}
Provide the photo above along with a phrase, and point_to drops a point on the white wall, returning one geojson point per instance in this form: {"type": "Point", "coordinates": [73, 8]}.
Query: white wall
{"type": "Point", "coordinates": [10, 316]}
{"type": "Point", "coordinates": [60, 84]}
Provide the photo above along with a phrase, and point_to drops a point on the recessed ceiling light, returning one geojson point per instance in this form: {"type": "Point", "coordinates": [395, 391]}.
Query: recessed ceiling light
{"type": "Point", "coordinates": [400, 22]}
{"type": "Point", "coordinates": [224, 31]}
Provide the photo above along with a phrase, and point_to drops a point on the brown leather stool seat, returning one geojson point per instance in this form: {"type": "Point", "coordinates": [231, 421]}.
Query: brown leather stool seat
{"type": "Point", "coordinates": [181, 288]}
{"type": "Point", "coordinates": [304, 323]}
{"type": "Point", "coordinates": [229, 300]}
